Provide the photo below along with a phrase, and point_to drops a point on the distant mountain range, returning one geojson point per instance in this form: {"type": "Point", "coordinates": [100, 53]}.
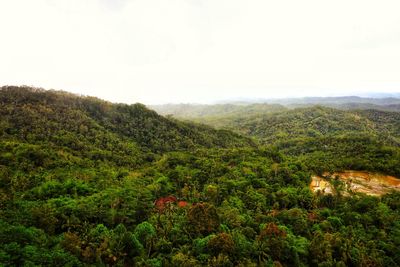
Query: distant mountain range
{"type": "Point", "coordinates": [367, 97]}
{"type": "Point", "coordinates": [252, 107]}
{"type": "Point", "coordinates": [379, 98]}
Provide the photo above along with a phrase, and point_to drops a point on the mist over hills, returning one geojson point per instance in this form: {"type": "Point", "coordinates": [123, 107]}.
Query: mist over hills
{"type": "Point", "coordinates": [362, 97]}
{"type": "Point", "coordinates": [388, 102]}
{"type": "Point", "coordinates": [199, 133]}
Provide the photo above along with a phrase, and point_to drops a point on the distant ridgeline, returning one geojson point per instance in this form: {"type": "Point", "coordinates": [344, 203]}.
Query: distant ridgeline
{"type": "Point", "coordinates": [85, 182]}
{"type": "Point", "coordinates": [275, 105]}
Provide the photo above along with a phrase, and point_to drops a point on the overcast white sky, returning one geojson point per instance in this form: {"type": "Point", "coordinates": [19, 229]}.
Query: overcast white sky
{"type": "Point", "coordinates": [158, 51]}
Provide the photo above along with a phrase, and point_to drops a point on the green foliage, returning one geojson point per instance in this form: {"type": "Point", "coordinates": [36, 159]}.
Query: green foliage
{"type": "Point", "coordinates": [81, 182]}
{"type": "Point", "coordinates": [203, 218]}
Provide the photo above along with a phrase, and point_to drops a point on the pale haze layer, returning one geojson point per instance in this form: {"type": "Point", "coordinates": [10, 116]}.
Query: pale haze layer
{"type": "Point", "coordinates": [162, 51]}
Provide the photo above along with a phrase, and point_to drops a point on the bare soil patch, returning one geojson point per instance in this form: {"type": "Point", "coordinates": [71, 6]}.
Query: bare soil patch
{"type": "Point", "coordinates": [375, 184]}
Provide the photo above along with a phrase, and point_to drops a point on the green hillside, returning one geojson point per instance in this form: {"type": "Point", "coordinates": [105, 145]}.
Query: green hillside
{"type": "Point", "coordinates": [85, 182]}
{"type": "Point", "coordinates": [75, 122]}
{"type": "Point", "coordinates": [316, 121]}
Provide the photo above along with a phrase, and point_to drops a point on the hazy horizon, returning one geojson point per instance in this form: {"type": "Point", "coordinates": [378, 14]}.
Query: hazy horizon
{"type": "Point", "coordinates": [249, 100]}
{"type": "Point", "coordinates": [192, 51]}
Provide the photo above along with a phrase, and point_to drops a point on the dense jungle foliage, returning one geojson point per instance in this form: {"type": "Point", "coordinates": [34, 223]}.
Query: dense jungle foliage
{"type": "Point", "coordinates": [84, 182]}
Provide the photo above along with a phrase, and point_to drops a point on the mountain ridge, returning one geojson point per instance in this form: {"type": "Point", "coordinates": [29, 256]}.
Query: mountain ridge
{"type": "Point", "coordinates": [56, 111]}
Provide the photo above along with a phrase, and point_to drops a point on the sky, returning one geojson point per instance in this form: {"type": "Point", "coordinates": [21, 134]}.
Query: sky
{"type": "Point", "coordinates": [201, 51]}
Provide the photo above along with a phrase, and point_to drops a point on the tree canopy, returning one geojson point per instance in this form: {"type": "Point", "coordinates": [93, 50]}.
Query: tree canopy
{"type": "Point", "coordinates": [85, 182]}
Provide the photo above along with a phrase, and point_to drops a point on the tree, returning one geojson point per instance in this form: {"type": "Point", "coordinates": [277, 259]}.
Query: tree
{"type": "Point", "coordinates": [202, 218]}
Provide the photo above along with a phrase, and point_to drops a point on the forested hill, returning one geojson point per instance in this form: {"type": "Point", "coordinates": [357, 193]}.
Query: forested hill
{"type": "Point", "coordinates": [91, 124]}
{"type": "Point", "coordinates": [325, 138]}
{"type": "Point", "coordinates": [270, 124]}
{"type": "Point", "coordinates": [319, 121]}
{"type": "Point", "coordinates": [84, 182]}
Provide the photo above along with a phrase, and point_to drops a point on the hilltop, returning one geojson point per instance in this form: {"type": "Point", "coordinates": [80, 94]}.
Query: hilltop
{"type": "Point", "coordinates": [88, 123]}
